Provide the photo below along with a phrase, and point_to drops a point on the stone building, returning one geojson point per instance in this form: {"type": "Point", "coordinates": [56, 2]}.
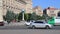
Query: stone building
{"type": "Point", "coordinates": [1, 10]}
{"type": "Point", "coordinates": [28, 6]}
{"type": "Point", "coordinates": [16, 6]}
{"type": "Point", "coordinates": [51, 11]}
{"type": "Point", "coordinates": [38, 10]}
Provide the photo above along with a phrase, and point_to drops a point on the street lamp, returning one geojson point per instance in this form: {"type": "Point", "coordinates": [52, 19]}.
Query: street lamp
{"type": "Point", "coordinates": [23, 14]}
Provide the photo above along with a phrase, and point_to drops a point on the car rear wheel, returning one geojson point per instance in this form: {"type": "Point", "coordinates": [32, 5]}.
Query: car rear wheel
{"type": "Point", "coordinates": [47, 27]}
{"type": "Point", "coordinates": [33, 27]}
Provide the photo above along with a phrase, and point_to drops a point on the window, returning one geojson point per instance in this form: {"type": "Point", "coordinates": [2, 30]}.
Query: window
{"type": "Point", "coordinates": [9, 6]}
{"type": "Point", "coordinates": [53, 14]}
{"type": "Point", "coordinates": [6, 6]}
{"type": "Point", "coordinates": [3, 5]}
{"type": "Point", "coordinates": [38, 22]}
{"type": "Point", "coordinates": [51, 11]}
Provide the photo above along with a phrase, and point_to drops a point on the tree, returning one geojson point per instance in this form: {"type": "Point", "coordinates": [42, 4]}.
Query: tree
{"type": "Point", "coordinates": [29, 16]}
{"type": "Point", "coordinates": [20, 16]}
{"type": "Point", "coordinates": [16, 17]}
{"type": "Point", "coordinates": [26, 16]}
{"type": "Point", "coordinates": [10, 16]}
{"type": "Point", "coordinates": [38, 17]}
{"type": "Point", "coordinates": [33, 16]}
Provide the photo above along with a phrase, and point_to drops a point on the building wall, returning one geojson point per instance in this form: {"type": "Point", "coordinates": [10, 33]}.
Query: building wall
{"type": "Point", "coordinates": [16, 6]}
{"type": "Point", "coordinates": [13, 5]}
{"type": "Point", "coordinates": [38, 10]}
{"type": "Point", "coordinates": [1, 9]}
{"type": "Point", "coordinates": [53, 12]}
{"type": "Point", "coordinates": [29, 6]}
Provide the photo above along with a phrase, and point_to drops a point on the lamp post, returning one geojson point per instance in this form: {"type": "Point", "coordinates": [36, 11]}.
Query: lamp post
{"type": "Point", "coordinates": [23, 14]}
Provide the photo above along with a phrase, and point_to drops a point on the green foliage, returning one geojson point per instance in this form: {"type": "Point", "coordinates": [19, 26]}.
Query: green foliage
{"type": "Point", "coordinates": [10, 16]}
{"type": "Point", "coordinates": [16, 17]}
{"type": "Point", "coordinates": [29, 17]}
{"type": "Point", "coordinates": [26, 16]}
{"type": "Point", "coordinates": [34, 16]}
{"type": "Point", "coordinates": [20, 16]}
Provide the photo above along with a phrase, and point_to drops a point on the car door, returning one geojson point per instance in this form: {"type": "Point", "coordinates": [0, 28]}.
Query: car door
{"type": "Point", "coordinates": [41, 24]}
{"type": "Point", "coordinates": [36, 24]}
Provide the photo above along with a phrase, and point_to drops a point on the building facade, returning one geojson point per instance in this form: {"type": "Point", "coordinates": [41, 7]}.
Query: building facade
{"type": "Point", "coordinates": [16, 6]}
{"type": "Point", "coordinates": [1, 9]}
{"type": "Point", "coordinates": [51, 11]}
{"type": "Point", "coordinates": [28, 6]}
{"type": "Point", "coordinates": [38, 10]}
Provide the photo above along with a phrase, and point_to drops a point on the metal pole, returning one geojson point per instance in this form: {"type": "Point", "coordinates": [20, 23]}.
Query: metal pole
{"type": "Point", "coordinates": [23, 16]}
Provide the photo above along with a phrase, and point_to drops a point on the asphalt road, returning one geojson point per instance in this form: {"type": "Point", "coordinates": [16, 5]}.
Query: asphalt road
{"type": "Point", "coordinates": [23, 27]}
{"type": "Point", "coordinates": [24, 30]}
{"type": "Point", "coordinates": [30, 31]}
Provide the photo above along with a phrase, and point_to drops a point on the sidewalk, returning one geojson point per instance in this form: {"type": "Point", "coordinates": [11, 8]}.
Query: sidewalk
{"type": "Point", "coordinates": [16, 23]}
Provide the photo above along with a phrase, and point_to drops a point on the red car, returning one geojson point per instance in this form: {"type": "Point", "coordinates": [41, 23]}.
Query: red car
{"type": "Point", "coordinates": [1, 23]}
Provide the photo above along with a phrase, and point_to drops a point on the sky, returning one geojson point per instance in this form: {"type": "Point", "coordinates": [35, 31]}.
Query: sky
{"type": "Point", "coordinates": [46, 3]}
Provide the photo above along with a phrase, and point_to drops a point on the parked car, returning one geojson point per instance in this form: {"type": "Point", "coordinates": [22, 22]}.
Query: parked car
{"type": "Point", "coordinates": [40, 24]}
{"type": "Point", "coordinates": [1, 23]}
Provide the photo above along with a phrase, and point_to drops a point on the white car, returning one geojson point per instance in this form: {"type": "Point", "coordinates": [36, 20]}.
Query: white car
{"type": "Point", "coordinates": [40, 24]}
{"type": "Point", "coordinates": [28, 23]}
